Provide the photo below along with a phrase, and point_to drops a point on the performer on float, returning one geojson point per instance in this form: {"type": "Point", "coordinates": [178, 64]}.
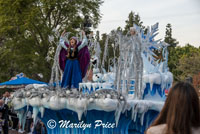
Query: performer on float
{"type": "Point", "coordinates": [74, 59]}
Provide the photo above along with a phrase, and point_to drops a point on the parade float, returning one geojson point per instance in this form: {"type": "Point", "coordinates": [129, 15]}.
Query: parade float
{"type": "Point", "coordinates": [124, 97]}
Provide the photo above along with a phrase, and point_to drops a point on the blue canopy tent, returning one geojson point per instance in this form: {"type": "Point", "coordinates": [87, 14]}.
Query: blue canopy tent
{"type": "Point", "coordinates": [19, 82]}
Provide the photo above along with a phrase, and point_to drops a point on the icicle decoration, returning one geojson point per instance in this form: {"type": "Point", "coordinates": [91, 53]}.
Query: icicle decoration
{"type": "Point", "coordinates": [105, 53]}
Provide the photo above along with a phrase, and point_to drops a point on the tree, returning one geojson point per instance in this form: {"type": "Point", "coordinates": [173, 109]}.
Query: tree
{"type": "Point", "coordinates": [172, 61]}
{"type": "Point", "coordinates": [25, 28]}
{"type": "Point", "coordinates": [168, 36]}
{"type": "Point", "coordinates": [132, 19]}
{"type": "Point", "coordinates": [179, 57]}
{"type": "Point", "coordinates": [189, 65]}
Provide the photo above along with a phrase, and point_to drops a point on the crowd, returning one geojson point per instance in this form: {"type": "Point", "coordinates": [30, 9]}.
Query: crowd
{"type": "Point", "coordinates": [9, 122]}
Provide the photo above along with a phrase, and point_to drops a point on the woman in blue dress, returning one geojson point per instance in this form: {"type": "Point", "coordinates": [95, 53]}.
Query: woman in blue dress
{"type": "Point", "coordinates": [76, 59]}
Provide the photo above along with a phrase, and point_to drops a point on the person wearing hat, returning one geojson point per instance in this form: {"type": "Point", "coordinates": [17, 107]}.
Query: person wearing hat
{"type": "Point", "coordinates": [74, 59]}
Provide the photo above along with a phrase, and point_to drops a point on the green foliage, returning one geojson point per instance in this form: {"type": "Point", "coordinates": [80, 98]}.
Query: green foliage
{"type": "Point", "coordinates": [168, 36]}
{"type": "Point", "coordinates": [25, 26]}
{"type": "Point", "coordinates": [180, 61]}
{"type": "Point", "coordinates": [189, 65]}
{"type": "Point", "coordinates": [172, 59]}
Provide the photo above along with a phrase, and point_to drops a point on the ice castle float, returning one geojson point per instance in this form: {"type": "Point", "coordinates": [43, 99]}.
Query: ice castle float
{"type": "Point", "coordinates": [125, 99]}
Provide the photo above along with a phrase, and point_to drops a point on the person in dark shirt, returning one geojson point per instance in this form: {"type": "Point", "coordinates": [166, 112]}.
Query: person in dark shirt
{"type": "Point", "coordinates": [40, 128]}
{"type": "Point", "coordinates": [5, 111]}
{"type": "Point", "coordinates": [1, 124]}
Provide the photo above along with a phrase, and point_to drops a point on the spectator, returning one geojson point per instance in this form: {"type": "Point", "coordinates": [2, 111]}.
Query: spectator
{"type": "Point", "coordinates": [29, 121]}
{"type": "Point", "coordinates": [20, 130]}
{"type": "Point", "coordinates": [43, 128]}
{"type": "Point", "coordinates": [31, 129]}
{"type": "Point", "coordinates": [15, 121]}
{"type": "Point", "coordinates": [4, 110]}
{"type": "Point", "coordinates": [40, 128]}
{"type": "Point", "coordinates": [180, 113]}
{"type": "Point", "coordinates": [5, 98]}
{"type": "Point", "coordinates": [1, 123]}
{"type": "Point", "coordinates": [37, 128]}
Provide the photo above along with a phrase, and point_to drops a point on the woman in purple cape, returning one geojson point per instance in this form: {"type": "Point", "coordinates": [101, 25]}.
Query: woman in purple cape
{"type": "Point", "coordinates": [74, 59]}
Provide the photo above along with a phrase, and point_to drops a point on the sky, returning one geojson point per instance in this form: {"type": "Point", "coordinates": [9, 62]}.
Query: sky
{"type": "Point", "coordinates": [183, 15]}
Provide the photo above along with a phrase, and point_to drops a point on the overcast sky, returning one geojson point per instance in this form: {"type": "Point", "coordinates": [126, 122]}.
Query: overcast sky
{"type": "Point", "coordinates": [184, 15]}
